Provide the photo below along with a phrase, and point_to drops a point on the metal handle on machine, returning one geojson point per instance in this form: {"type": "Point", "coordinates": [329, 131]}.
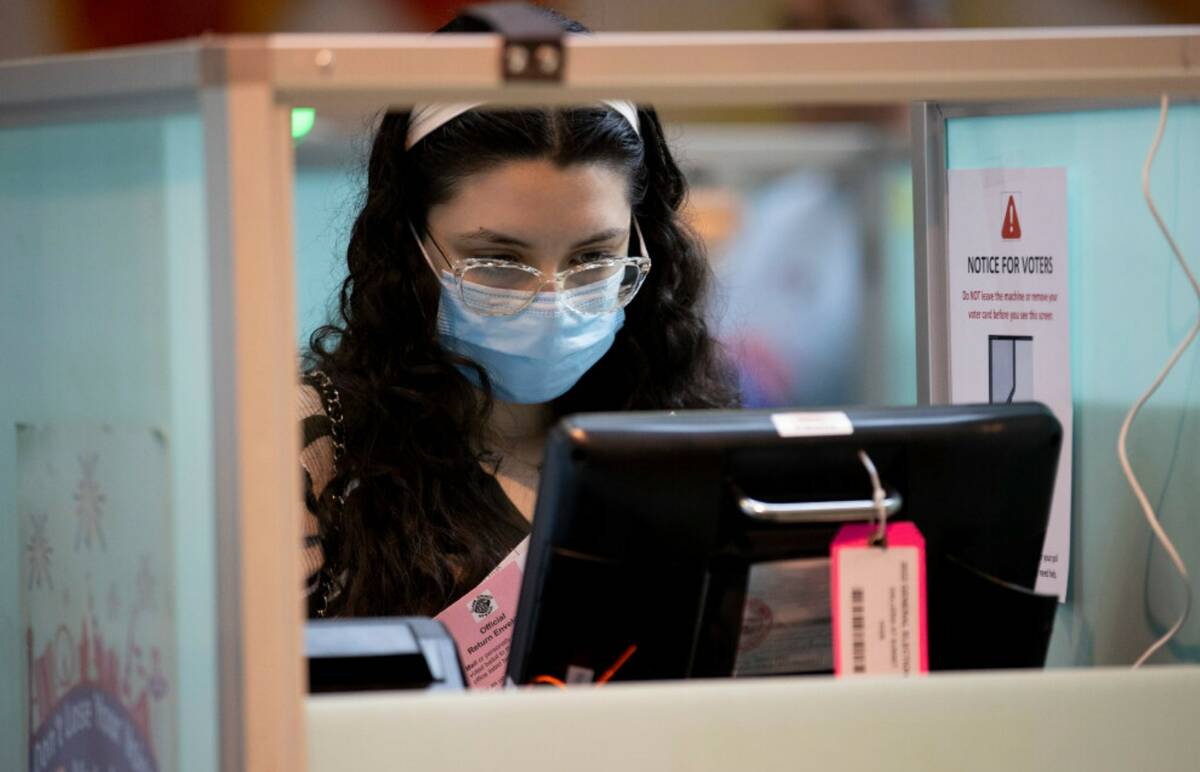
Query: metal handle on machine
{"type": "Point", "coordinates": [816, 511]}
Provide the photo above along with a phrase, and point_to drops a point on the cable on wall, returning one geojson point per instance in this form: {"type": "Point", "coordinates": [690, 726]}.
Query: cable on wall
{"type": "Point", "coordinates": [1122, 454]}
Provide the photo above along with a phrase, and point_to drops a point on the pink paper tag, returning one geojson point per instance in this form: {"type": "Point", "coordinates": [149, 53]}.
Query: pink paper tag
{"type": "Point", "coordinates": [878, 599]}
{"type": "Point", "coordinates": [481, 622]}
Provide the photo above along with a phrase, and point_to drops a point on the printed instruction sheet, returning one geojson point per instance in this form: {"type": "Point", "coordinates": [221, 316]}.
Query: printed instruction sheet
{"type": "Point", "coordinates": [1009, 319]}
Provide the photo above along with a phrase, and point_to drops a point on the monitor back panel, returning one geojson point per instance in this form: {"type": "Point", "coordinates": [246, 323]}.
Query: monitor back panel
{"type": "Point", "coordinates": [639, 539]}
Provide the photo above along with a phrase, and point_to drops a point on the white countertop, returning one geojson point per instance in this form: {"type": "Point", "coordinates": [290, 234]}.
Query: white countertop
{"type": "Point", "coordinates": [1062, 720]}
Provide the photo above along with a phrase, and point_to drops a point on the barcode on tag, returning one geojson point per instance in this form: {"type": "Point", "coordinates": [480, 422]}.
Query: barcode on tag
{"type": "Point", "coordinates": [858, 625]}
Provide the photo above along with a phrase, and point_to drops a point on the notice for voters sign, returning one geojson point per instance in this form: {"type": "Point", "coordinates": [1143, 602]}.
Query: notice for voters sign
{"type": "Point", "coordinates": [1008, 317]}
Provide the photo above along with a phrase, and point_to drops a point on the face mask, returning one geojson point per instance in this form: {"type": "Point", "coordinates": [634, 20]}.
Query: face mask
{"type": "Point", "coordinates": [532, 357]}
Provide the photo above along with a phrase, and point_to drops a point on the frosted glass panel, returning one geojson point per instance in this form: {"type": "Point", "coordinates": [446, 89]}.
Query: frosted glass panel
{"type": "Point", "coordinates": [892, 377]}
{"type": "Point", "coordinates": [104, 321]}
{"type": "Point", "coordinates": [325, 203]}
{"type": "Point", "coordinates": [1130, 306]}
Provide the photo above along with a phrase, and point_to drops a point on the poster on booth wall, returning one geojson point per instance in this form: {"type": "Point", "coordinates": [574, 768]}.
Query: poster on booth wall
{"type": "Point", "coordinates": [96, 594]}
{"type": "Point", "coordinates": [1008, 315]}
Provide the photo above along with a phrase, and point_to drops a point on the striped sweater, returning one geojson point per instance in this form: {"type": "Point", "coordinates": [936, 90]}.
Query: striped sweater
{"type": "Point", "coordinates": [318, 471]}
{"type": "Point", "coordinates": [317, 468]}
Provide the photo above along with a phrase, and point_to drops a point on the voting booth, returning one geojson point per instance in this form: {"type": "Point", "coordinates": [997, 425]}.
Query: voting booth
{"type": "Point", "coordinates": [149, 600]}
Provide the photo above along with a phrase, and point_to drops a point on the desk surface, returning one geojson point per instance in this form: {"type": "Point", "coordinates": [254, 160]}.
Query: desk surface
{"type": "Point", "coordinates": [1064, 719]}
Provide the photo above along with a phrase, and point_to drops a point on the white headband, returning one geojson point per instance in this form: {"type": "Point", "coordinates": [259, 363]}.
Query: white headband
{"type": "Point", "coordinates": [427, 117]}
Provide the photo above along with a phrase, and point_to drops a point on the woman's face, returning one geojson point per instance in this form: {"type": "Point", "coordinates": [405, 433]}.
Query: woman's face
{"type": "Point", "coordinates": [536, 213]}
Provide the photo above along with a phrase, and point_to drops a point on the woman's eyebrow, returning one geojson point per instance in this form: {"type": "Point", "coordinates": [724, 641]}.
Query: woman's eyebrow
{"type": "Point", "coordinates": [492, 237]}
{"type": "Point", "coordinates": [604, 235]}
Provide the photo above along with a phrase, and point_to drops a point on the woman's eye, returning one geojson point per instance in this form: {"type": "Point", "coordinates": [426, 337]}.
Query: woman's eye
{"type": "Point", "coordinates": [592, 257]}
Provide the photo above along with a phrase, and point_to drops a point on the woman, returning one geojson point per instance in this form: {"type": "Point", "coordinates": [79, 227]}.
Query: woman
{"type": "Point", "coordinates": [497, 281]}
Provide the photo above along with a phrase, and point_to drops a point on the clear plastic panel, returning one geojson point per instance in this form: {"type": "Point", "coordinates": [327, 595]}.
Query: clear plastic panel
{"type": "Point", "coordinates": [107, 591]}
{"type": "Point", "coordinates": [1130, 306]}
{"type": "Point", "coordinates": [324, 204]}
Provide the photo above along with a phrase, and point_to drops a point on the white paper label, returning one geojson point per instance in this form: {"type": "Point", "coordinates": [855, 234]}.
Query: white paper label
{"type": "Point", "coordinates": [786, 625]}
{"type": "Point", "coordinates": [820, 424]}
{"type": "Point", "coordinates": [577, 674]}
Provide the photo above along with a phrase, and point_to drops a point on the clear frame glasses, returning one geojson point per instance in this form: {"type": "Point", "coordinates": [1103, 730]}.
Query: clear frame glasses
{"type": "Point", "coordinates": [493, 287]}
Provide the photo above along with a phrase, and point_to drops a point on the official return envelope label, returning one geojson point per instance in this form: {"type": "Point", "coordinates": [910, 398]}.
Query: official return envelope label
{"type": "Point", "coordinates": [481, 622]}
{"type": "Point", "coordinates": [812, 424]}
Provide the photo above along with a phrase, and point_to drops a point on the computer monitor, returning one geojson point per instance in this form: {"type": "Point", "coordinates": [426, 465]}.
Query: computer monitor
{"type": "Point", "coordinates": [650, 526]}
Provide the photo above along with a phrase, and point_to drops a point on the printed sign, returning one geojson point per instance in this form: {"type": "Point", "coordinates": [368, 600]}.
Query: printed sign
{"type": "Point", "coordinates": [1009, 319]}
{"type": "Point", "coordinates": [96, 597]}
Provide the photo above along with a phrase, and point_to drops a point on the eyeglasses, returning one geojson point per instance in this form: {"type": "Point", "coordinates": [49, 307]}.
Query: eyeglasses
{"type": "Point", "coordinates": [492, 287]}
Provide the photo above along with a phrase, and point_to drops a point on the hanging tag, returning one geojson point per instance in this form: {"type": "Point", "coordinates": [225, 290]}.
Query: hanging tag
{"type": "Point", "coordinates": [878, 599]}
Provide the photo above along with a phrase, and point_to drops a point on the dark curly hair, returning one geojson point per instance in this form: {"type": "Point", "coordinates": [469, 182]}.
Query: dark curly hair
{"type": "Point", "coordinates": [423, 520]}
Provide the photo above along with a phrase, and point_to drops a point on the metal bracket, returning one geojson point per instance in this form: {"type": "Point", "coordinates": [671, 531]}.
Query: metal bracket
{"type": "Point", "coordinates": [533, 43]}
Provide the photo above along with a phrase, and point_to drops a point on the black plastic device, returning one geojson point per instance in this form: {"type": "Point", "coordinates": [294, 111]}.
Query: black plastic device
{"type": "Point", "coordinates": [371, 654]}
{"type": "Point", "coordinates": [647, 525]}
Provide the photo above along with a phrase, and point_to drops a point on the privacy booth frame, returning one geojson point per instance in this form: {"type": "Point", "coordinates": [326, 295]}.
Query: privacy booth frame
{"type": "Point", "coordinates": [230, 369]}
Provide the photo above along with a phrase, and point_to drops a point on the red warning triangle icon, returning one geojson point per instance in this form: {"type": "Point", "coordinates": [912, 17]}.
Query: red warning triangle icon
{"type": "Point", "coordinates": [1012, 223]}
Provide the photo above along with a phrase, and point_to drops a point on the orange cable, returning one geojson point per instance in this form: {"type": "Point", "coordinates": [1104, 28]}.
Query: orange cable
{"type": "Point", "coordinates": [621, 660]}
{"type": "Point", "coordinates": [603, 679]}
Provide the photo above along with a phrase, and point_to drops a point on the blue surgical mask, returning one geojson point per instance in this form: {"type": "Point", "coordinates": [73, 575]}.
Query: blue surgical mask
{"type": "Point", "coordinates": [532, 357]}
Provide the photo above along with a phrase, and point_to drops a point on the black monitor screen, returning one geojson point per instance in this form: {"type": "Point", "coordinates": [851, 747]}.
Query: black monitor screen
{"type": "Point", "coordinates": [650, 527]}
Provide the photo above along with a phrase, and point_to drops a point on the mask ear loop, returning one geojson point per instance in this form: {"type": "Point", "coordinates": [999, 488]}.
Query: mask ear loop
{"type": "Point", "coordinates": [878, 496]}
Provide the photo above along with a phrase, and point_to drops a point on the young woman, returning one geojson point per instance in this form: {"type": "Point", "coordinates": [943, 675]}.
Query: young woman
{"type": "Point", "coordinates": [507, 267]}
